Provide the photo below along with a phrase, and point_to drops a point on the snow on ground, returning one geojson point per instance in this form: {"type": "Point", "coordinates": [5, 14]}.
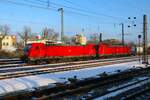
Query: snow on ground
{"type": "Point", "coordinates": [29, 82]}
{"type": "Point", "coordinates": [89, 72]}
{"type": "Point", "coordinates": [23, 83]}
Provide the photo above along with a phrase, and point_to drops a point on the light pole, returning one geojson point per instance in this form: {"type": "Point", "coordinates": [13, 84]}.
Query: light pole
{"type": "Point", "coordinates": [145, 42]}
{"type": "Point", "coordinates": [133, 22]}
{"type": "Point", "coordinates": [122, 26]}
{"type": "Point", "coordinates": [62, 23]}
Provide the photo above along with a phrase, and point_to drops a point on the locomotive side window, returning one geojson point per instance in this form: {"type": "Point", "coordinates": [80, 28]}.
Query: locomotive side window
{"type": "Point", "coordinates": [37, 47]}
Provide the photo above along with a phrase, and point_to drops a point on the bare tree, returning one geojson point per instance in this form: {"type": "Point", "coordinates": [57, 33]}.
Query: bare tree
{"type": "Point", "coordinates": [26, 34]}
{"type": "Point", "coordinates": [67, 39]}
{"type": "Point", "coordinates": [49, 33]}
{"type": "Point", "coordinates": [45, 33]}
{"type": "Point", "coordinates": [73, 40]}
{"type": "Point", "coordinates": [4, 30]}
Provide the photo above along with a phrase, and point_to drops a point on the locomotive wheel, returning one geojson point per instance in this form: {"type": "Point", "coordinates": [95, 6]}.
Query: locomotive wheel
{"type": "Point", "coordinates": [38, 62]}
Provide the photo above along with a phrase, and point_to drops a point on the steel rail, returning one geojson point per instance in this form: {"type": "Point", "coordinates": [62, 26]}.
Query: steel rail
{"type": "Point", "coordinates": [43, 70]}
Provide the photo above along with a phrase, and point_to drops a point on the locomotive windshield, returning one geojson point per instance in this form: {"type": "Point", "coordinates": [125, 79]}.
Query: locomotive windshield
{"type": "Point", "coordinates": [27, 47]}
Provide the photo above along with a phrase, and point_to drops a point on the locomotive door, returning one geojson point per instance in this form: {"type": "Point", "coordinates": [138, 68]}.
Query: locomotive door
{"type": "Point", "coordinates": [40, 50]}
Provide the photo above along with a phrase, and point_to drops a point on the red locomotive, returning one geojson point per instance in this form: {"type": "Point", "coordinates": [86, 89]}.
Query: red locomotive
{"type": "Point", "coordinates": [49, 52]}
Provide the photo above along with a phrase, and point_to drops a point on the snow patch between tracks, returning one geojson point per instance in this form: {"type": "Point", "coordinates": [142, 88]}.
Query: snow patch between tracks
{"type": "Point", "coordinates": [29, 82]}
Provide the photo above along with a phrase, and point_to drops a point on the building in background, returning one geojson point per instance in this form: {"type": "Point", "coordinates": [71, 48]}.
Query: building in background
{"type": "Point", "coordinates": [9, 43]}
{"type": "Point", "coordinates": [80, 39]}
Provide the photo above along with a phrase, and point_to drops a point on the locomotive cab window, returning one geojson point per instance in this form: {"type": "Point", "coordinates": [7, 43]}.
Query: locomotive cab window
{"type": "Point", "coordinates": [27, 47]}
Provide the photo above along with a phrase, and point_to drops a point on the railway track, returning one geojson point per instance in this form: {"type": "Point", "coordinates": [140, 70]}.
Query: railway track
{"type": "Point", "coordinates": [127, 91]}
{"type": "Point", "coordinates": [75, 88]}
{"type": "Point", "coordinates": [4, 63]}
{"type": "Point", "coordinates": [13, 59]}
{"type": "Point", "coordinates": [138, 91]}
{"type": "Point", "coordinates": [51, 68]}
{"type": "Point", "coordinates": [10, 61]}
{"type": "Point", "coordinates": [143, 93]}
{"type": "Point", "coordinates": [11, 65]}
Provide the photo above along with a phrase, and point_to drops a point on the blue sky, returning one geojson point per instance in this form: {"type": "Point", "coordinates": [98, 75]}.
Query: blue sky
{"type": "Point", "coordinates": [105, 14]}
